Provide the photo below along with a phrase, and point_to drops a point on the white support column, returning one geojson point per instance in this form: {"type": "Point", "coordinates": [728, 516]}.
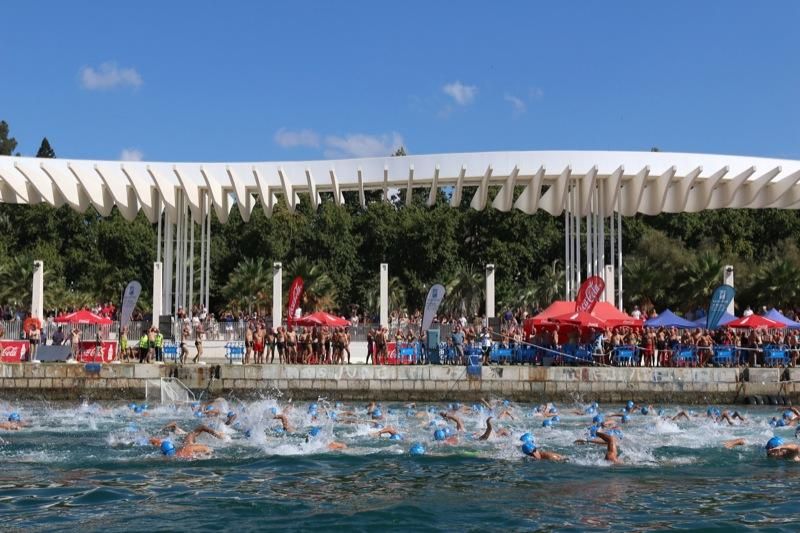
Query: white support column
{"type": "Point", "coordinates": [609, 292]}
{"type": "Point", "coordinates": [589, 239]}
{"type": "Point", "coordinates": [202, 270]}
{"type": "Point", "coordinates": [169, 247]}
{"type": "Point", "coordinates": [191, 266]}
{"type": "Point", "coordinates": [384, 296]}
{"type": "Point", "coordinates": [208, 251]}
{"type": "Point", "coordinates": [567, 252]}
{"type": "Point", "coordinates": [577, 225]}
{"type": "Point", "coordinates": [619, 260]}
{"type": "Point", "coordinates": [157, 302]}
{"type": "Point", "coordinates": [727, 279]}
{"type": "Point", "coordinates": [489, 291]}
{"type": "Point", "coordinates": [37, 301]}
{"type": "Point", "coordinates": [277, 294]}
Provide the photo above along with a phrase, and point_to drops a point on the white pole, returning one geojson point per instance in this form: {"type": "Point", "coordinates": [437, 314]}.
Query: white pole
{"type": "Point", "coordinates": [567, 252]}
{"type": "Point", "coordinates": [619, 260]}
{"type": "Point", "coordinates": [37, 291]}
{"type": "Point", "coordinates": [191, 265]}
{"type": "Point", "coordinates": [208, 250]}
{"type": "Point", "coordinates": [384, 297]}
{"type": "Point", "coordinates": [277, 294]}
{"type": "Point", "coordinates": [727, 279]}
{"type": "Point", "coordinates": [157, 291]}
{"type": "Point", "coordinates": [602, 216]}
{"type": "Point", "coordinates": [612, 257]}
{"type": "Point", "coordinates": [589, 240]}
{"type": "Point", "coordinates": [489, 291]}
{"type": "Point", "coordinates": [167, 268]}
{"type": "Point", "coordinates": [202, 270]}
{"type": "Point", "coordinates": [577, 226]}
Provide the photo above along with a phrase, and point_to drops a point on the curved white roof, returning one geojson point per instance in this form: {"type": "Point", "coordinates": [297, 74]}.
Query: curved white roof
{"type": "Point", "coordinates": [630, 182]}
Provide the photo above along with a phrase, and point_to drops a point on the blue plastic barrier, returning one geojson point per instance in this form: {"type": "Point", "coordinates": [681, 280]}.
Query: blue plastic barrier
{"type": "Point", "coordinates": [234, 351]}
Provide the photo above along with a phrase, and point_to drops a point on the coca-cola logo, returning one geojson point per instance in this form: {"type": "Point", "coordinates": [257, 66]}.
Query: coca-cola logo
{"type": "Point", "coordinates": [10, 352]}
{"type": "Point", "coordinates": [589, 294]}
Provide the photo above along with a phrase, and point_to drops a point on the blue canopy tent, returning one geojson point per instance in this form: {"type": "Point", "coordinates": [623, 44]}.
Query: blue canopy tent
{"type": "Point", "coordinates": [668, 319]}
{"type": "Point", "coordinates": [777, 316]}
{"type": "Point", "coordinates": [726, 317]}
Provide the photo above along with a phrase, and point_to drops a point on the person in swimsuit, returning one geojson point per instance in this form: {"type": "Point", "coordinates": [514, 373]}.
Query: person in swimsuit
{"type": "Point", "coordinates": [612, 452]}
{"type": "Point", "coordinates": [190, 449]}
{"type": "Point", "coordinates": [248, 344]}
{"type": "Point", "coordinates": [346, 343]}
{"type": "Point", "coordinates": [280, 343]}
{"type": "Point", "coordinates": [184, 348]}
{"type": "Point", "coordinates": [198, 342]}
{"type": "Point", "coordinates": [258, 345]}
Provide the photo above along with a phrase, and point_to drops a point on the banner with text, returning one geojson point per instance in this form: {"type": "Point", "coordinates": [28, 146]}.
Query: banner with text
{"type": "Point", "coordinates": [720, 299]}
{"type": "Point", "coordinates": [589, 294]}
{"type": "Point", "coordinates": [295, 292]}
{"type": "Point", "coordinates": [432, 303]}
{"type": "Point", "coordinates": [132, 292]}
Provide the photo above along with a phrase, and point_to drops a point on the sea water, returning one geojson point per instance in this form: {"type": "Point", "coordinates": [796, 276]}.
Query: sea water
{"type": "Point", "coordinates": [90, 466]}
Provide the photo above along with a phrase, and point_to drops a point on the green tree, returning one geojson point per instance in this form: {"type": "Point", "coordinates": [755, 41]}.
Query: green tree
{"type": "Point", "coordinates": [7, 144]}
{"type": "Point", "coordinates": [45, 150]}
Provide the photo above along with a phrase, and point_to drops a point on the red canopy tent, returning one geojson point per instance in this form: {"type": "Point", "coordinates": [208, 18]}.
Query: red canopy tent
{"type": "Point", "coordinates": [613, 317]}
{"type": "Point", "coordinates": [321, 318]}
{"type": "Point", "coordinates": [555, 309]}
{"type": "Point", "coordinates": [754, 322]}
{"type": "Point", "coordinates": [610, 315]}
{"type": "Point", "coordinates": [581, 319]}
{"type": "Point", "coordinates": [82, 317]}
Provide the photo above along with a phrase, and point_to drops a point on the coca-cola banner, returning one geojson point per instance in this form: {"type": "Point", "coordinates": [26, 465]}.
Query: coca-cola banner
{"type": "Point", "coordinates": [14, 351]}
{"type": "Point", "coordinates": [295, 292]}
{"type": "Point", "coordinates": [87, 352]}
{"type": "Point", "coordinates": [589, 294]}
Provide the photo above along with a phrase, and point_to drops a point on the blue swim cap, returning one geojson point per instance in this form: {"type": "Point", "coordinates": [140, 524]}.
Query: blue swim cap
{"type": "Point", "coordinates": [439, 434]}
{"type": "Point", "coordinates": [409, 412]}
{"type": "Point", "coordinates": [645, 410]}
{"type": "Point", "coordinates": [626, 418]}
{"type": "Point", "coordinates": [209, 407]}
{"type": "Point", "coordinates": [590, 410]}
{"type": "Point", "coordinates": [377, 413]}
{"type": "Point", "coordinates": [598, 418]}
{"type": "Point", "coordinates": [593, 431]}
{"type": "Point", "coordinates": [528, 448]}
{"type": "Point", "coordinates": [314, 431]}
{"type": "Point", "coordinates": [198, 414]}
{"type": "Point", "coordinates": [312, 407]}
{"type": "Point", "coordinates": [431, 409]}
{"type": "Point", "coordinates": [332, 415]}
{"type": "Point", "coordinates": [145, 406]}
{"type": "Point", "coordinates": [14, 417]}
{"type": "Point", "coordinates": [630, 404]}
{"type": "Point", "coordinates": [167, 448]}
{"type": "Point", "coordinates": [396, 436]}
{"type": "Point", "coordinates": [506, 403]}
{"type": "Point", "coordinates": [780, 423]}
{"type": "Point", "coordinates": [279, 431]}
{"type": "Point", "coordinates": [448, 431]}
{"type": "Point", "coordinates": [787, 414]}
{"type": "Point", "coordinates": [595, 405]}
{"type": "Point", "coordinates": [131, 406]}
{"type": "Point", "coordinates": [660, 412]}
{"type": "Point", "coordinates": [774, 442]}
{"type": "Point", "coordinates": [247, 433]}
{"type": "Point", "coordinates": [476, 408]}
{"type": "Point", "coordinates": [556, 419]}
{"type": "Point", "coordinates": [417, 449]}
{"type": "Point", "coordinates": [432, 424]}
{"type": "Point", "coordinates": [273, 410]}
{"type": "Point", "coordinates": [231, 414]}
{"type": "Point", "coordinates": [553, 410]}
{"type": "Point", "coordinates": [194, 405]}
{"type": "Point", "coordinates": [526, 437]}
{"type": "Point", "coordinates": [138, 409]}
{"type": "Point", "coordinates": [546, 423]}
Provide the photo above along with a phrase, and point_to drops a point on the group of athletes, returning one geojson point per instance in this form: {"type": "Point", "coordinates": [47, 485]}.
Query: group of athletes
{"type": "Point", "coordinates": [301, 345]}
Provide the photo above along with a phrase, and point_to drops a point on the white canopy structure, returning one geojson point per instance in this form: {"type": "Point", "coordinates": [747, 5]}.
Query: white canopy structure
{"type": "Point", "coordinates": [586, 187]}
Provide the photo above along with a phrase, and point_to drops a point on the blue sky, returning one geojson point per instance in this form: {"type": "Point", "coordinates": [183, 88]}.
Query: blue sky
{"type": "Point", "coordinates": [251, 81]}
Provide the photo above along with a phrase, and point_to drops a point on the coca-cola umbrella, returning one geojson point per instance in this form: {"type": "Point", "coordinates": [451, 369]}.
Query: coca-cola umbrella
{"type": "Point", "coordinates": [581, 319]}
{"type": "Point", "coordinates": [82, 317]}
{"type": "Point", "coordinates": [755, 322]}
{"type": "Point", "coordinates": [321, 318]}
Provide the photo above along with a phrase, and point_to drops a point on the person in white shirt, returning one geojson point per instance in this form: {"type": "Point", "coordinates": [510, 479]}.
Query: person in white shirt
{"type": "Point", "coordinates": [636, 313]}
{"type": "Point", "coordinates": [748, 312]}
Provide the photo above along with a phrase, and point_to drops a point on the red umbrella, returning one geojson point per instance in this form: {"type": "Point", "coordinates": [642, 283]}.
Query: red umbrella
{"type": "Point", "coordinates": [754, 322]}
{"type": "Point", "coordinates": [582, 319]}
{"type": "Point", "coordinates": [321, 318]}
{"type": "Point", "coordinates": [82, 317]}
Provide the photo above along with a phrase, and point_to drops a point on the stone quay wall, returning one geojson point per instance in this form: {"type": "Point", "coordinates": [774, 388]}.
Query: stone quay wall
{"type": "Point", "coordinates": [406, 383]}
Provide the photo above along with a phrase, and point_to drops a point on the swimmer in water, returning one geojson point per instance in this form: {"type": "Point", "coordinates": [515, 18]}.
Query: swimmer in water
{"type": "Point", "coordinates": [612, 452]}
{"type": "Point", "coordinates": [14, 423]}
{"type": "Point", "coordinates": [190, 449]}
{"type": "Point", "coordinates": [453, 418]}
{"type": "Point", "coordinates": [391, 431]}
{"type": "Point", "coordinates": [287, 427]}
{"type": "Point", "coordinates": [533, 452]}
{"type": "Point", "coordinates": [778, 449]}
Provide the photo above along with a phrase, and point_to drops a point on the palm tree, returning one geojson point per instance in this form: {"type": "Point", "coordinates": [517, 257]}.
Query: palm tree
{"type": "Point", "coordinates": [16, 280]}
{"type": "Point", "coordinates": [319, 291]}
{"type": "Point", "coordinates": [778, 282]}
{"type": "Point", "coordinates": [397, 296]}
{"type": "Point", "coordinates": [248, 285]}
{"type": "Point", "coordinates": [465, 291]}
{"type": "Point", "coordinates": [551, 283]}
{"type": "Point", "coordinates": [644, 283]}
{"type": "Point", "coordinates": [699, 278]}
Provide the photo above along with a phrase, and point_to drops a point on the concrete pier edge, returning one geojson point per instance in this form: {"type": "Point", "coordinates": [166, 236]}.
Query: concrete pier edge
{"type": "Point", "coordinates": [406, 383]}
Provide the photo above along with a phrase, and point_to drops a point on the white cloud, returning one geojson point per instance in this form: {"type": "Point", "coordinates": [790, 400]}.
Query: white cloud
{"type": "Point", "coordinates": [291, 139]}
{"type": "Point", "coordinates": [518, 105]}
{"type": "Point", "coordinates": [362, 145]}
{"type": "Point", "coordinates": [462, 94]}
{"type": "Point", "coordinates": [131, 154]}
{"type": "Point", "coordinates": [536, 93]}
{"type": "Point", "coordinates": [109, 76]}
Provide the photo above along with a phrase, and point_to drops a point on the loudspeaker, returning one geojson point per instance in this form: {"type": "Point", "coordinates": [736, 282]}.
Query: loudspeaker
{"type": "Point", "coordinates": [432, 339]}
{"type": "Point", "coordinates": [165, 327]}
{"type": "Point", "coordinates": [49, 353]}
